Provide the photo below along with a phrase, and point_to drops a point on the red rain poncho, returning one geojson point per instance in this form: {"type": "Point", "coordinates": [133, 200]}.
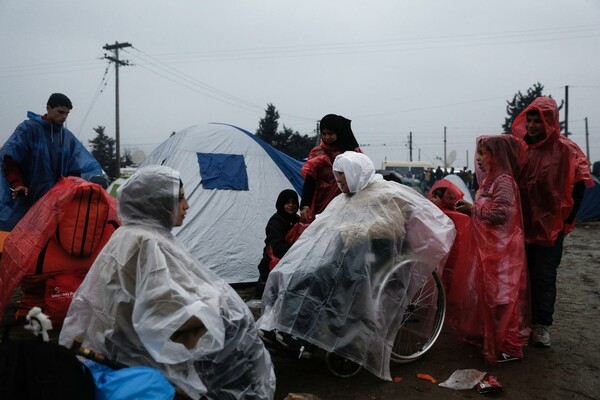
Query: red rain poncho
{"type": "Point", "coordinates": [461, 259]}
{"type": "Point", "coordinates": [320, 167]}
{"type": "Point", "coordinates": [552, 167]}
{"type": "Point", "coordinates": [500, 317]}
{"type": "Point", "coordinates": [320, 161]}
{"type": "Point", "coordinates": [33, 232]}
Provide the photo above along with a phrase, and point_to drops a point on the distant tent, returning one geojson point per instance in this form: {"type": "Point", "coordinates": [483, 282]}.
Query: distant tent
{"type": "Point", "coordinates": [590, 206]}
{"type": "Point", "coordinates": [232, 180]}
{"type": "Point", "coordinates": [457, 180]}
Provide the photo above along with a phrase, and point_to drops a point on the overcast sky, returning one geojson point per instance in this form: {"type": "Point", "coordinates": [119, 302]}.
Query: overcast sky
{"type": "Point", "coordinates": [391, 66]}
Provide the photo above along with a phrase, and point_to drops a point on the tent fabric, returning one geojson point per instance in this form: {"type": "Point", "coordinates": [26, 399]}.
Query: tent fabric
{"type": "Point", "coordinates": [590, 206]}
{"type": "Point", "coordinates": [225, 229]}
{"type": "Point", "coordinates": [458, 182]}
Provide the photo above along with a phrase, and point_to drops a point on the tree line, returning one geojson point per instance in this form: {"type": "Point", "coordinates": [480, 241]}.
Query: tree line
{"type": "Point", "coordinates": [286, 139]}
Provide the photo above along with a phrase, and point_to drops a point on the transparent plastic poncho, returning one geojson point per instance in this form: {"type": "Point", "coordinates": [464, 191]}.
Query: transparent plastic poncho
{"type": "Point", "coordinates": [345, 284]}
{"type": "Point", "coordinates": [144, 286]}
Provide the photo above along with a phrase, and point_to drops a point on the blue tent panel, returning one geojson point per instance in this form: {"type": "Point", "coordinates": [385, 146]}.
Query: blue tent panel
{"type": "Point", "coordinates": [223, 171]}
{"type": "Point", "coordinates": [288, 165]}
{"type": "Point", "coordinates": [590, 206]}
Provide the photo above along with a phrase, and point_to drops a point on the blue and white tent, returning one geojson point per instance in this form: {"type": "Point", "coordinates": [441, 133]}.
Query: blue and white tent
{"type": "Point", "coordinates": [590, 206]}
{"type": "Point", "coordinates": [232, 180]}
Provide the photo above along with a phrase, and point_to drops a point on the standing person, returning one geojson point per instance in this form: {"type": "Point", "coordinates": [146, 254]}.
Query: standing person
{"type": "Point", "coordinates": [552, 184]}
{"type": "Point", "coordinates": [147, 301]}
{"type": "Point", "coordinates": [500, 279]}
{"type": "Point", "coordinates": [319, 183]}
{"type": "Point", "coordinates": [39, 152]}
{"type": "Point", "coordinates": [461, 259]}
{"type": "Point", "coordinates": [276, 230]}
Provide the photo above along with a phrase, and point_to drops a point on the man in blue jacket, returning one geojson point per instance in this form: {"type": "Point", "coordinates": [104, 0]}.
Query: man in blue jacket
{"type": "Point", "coordinates": [39, 152]}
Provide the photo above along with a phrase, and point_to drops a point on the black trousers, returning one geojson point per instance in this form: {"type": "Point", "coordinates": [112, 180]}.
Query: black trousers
{"type": "Point", "coordinates": [543, 262]}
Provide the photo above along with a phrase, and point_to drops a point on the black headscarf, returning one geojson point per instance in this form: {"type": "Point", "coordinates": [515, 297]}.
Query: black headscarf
{"type": "Point", "coordinates": [283, 198]}
{"type": "Point", "coordinates": [341, 126]}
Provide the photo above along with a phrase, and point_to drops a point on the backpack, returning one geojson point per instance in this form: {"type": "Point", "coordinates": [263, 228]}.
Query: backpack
{"type": "Point", "coordinates": [34, 369]}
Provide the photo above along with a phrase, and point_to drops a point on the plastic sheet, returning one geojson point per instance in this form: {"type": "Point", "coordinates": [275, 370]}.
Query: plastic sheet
{"type": "Point", "coordinates": [144, 286]}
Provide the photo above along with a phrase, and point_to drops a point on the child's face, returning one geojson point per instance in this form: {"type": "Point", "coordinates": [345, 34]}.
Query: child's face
{"type": "Point", "coordinates": [484, 158]}
{"type": "Point", "coordinates": [329, 137]}
{"type": "Point", "coordinates": [291, 206]}
{"type": "Point", "coordinates": [535, 126]}
{"type": "Point", "coordinates": [436, 196]}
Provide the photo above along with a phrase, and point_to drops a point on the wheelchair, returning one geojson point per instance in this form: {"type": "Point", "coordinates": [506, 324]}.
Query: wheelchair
{"type": "Point", "coordinates": [421, 326]}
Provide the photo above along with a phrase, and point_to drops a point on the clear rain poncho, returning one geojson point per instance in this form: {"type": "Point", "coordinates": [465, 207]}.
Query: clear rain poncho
{"type": "Point", "coordinates": [345, 284]}
{"type": "Point", "coordinates": [144, 286]}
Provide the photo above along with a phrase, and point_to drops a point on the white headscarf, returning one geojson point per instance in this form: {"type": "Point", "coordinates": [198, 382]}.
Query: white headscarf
{"type": "Point", "coordinates": [357, 168]}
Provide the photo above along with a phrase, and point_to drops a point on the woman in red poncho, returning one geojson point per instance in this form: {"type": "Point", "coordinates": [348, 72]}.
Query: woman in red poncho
{"type": "Point", "coordinates": [320, 186]}
{"type": "Point", "coordinates": [501, 298]}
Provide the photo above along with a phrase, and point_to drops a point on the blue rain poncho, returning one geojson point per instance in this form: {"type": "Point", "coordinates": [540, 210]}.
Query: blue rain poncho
{"type": "Point", "coordinates": [144, 286]}
{"type": "Point", "coordinates": [44, 153]}
{"type": "Point", "coordinates": [345, 283]}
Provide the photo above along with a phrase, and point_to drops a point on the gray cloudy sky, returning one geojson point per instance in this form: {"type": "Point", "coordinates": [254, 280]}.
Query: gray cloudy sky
{"type": "Point", "coordinates": [392, 66]}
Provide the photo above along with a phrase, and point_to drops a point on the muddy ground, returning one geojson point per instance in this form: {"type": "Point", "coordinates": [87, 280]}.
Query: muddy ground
{"type": "Point", "coordinates": [570, 369]}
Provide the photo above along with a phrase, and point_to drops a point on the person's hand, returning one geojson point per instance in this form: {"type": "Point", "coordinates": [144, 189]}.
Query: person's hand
{"type": "Point", "coordinates": [463, 207]}
{"type": "Point", "coordinates": [19, 190]}
{"type": "Point", "coordinates": [306, 215]}
{"type": "Point", "coordinates": [189, 333]}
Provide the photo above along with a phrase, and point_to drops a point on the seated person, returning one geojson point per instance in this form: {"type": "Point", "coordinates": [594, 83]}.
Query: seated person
{"type": "Point", "coordinates": [346, 282]}
{"type": "Point", "coordinates": [147, 301]}
{"type": "Point", "coordinates": [276, 230]}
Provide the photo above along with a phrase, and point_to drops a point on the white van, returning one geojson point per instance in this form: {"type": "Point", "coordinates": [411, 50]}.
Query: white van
{"type": "Point", "coordinates": [408, 169]}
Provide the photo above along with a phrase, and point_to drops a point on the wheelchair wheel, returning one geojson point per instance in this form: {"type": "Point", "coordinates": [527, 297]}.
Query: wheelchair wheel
{"type": "Point", "coordinates": [341, 367]}
{"type": "Point", "coordinates": [422, 322]}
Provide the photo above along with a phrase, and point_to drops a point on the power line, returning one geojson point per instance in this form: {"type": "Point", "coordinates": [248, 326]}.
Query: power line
{"type": "Point", "coordinates": [99, 91]}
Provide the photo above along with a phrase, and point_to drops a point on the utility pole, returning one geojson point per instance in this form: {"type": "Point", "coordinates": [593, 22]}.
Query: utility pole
{"type": "Point", "coordinates": [467, 159]}
{"type": "Point", "coordinates": [410, 146]}
{"type": "Point", "coordinates": [567, 133]}
{"type": "Point", "coordinates": [445, 165]}
{"type": "Point", "coordinates": [115, 49]}
{"type": "Point", "coordinates": [587, 140]}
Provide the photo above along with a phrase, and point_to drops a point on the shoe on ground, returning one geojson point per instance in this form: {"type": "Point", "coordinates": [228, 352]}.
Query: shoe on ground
{"type": "Point", "coordinates": [503, 357]}
{"type": "Point", "coordinates": [540, 336]}
{"type": "Point", "coordinates": [268, 337]}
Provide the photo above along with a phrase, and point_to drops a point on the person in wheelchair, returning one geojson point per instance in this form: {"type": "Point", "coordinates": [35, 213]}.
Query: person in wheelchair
{"type": "Point", "coordinates": [146, 301]}
{"type": "Point", "coordinates": [345, 284]}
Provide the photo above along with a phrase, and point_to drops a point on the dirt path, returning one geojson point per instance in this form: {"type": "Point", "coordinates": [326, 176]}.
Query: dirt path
{"type": "Point", "coordinates": [570, 369]}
